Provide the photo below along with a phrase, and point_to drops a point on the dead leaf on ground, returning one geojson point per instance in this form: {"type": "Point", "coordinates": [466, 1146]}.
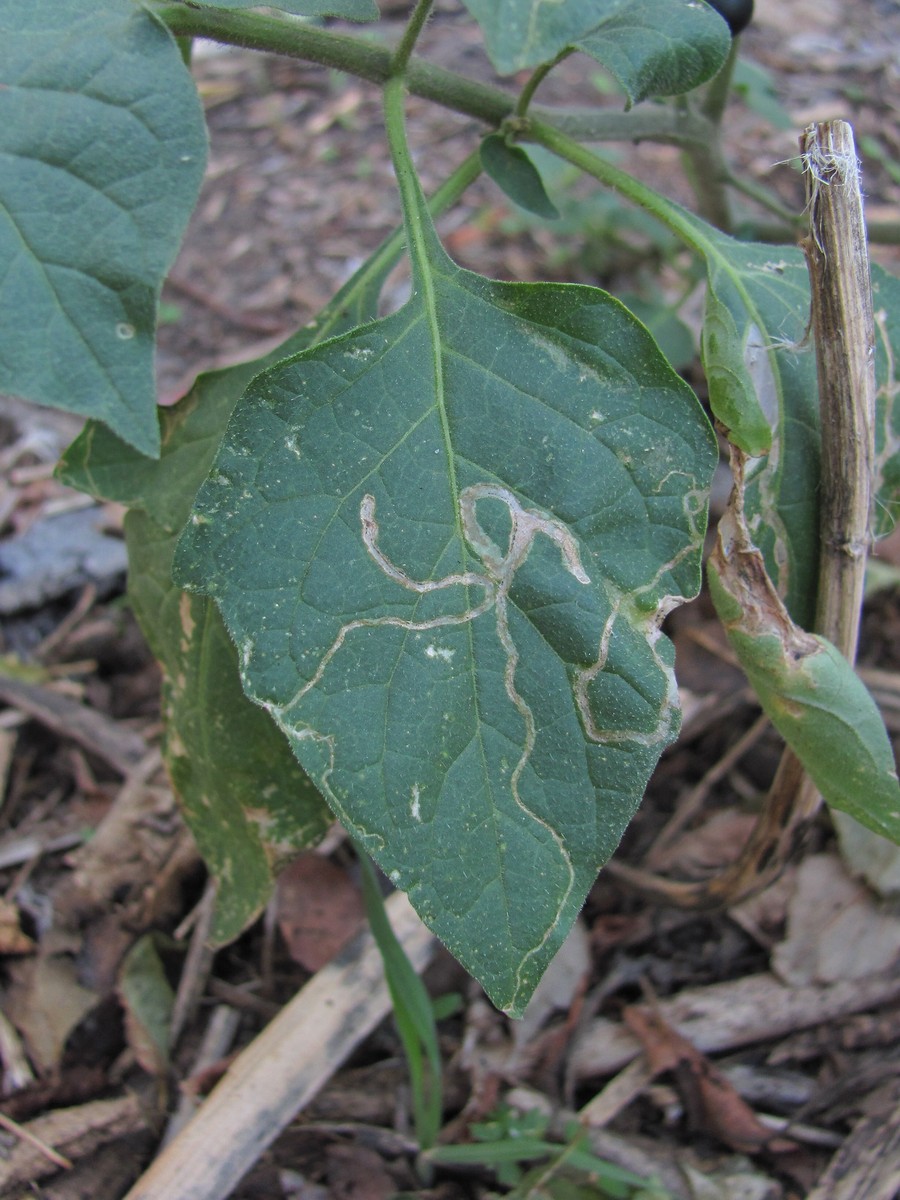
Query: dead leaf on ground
{"type": "Point", "coordinates": [711, 1103]}
{"type": "Point", "coordinates": [837, 930]}
{"type": "Point", "coordinates": [12, 939]}
{"type": "Point", "coordinates": [319, 910]}
{"type": "Point", "coordinates": [358, 1173]}
{"type": "Point", "coordinates": [708, 847]}
{"type": "Point", "coordinates": [147, 1000]}
{"type": "Point", "coordinates": [45, 1002]}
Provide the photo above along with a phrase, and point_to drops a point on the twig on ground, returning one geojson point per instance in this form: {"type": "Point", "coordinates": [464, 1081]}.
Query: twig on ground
{"type": "Point", "coordinates": [283, 1068]}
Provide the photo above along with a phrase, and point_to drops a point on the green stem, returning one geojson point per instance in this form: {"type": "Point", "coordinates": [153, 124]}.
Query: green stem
{"type": "Point", "coordinates": [718, 90]}
{"type": "Point", "coordinates": [704, 163]}
{"type": "Point", "coordinates": [425, 250]}
{"type": "Point", "coordinates": [671, 215]}
{"type": "Point", "coordinates": [388, 253]}
{"type": "Point", "coordinates": [366, 60]}
{"type": "Point", "coordinates": [683, 224]}
{"type": "Point", "coordinates": [414, 27]}
{"type": "Point", "coordinates": [537, 78]}
{"type": "Point", "coordinates": [411, 196]}
{"type": "Point", "coordinates": [186, 47]}
{"type": "Point", "coordinates": [765, 199]}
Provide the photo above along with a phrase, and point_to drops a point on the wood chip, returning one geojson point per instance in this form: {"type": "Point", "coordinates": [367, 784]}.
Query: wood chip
{"type": "Point", "coordinates": [120, 747]}
{"type": "Point", "coordinates": [754, 1009]}
{"type": "Point", "coordinates": [71, 1132]}
{"type": "Point", "coordinates": [868, 1163]}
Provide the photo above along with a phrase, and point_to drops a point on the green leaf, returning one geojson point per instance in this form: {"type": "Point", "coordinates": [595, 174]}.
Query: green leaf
{"type": "Point", "coordinates": [886, 498]}
{"type": "Point", "coordinates": [443, 545]}
{"type": "Point", "coordinates": [761, 372]}
{"type": "Point", "coordinates": [104, 466]}
{"type": "Point", "coordinates": [147, 999]}
{"type": "Point", "coordinates": [515, 174]}
{"type": "Point", "coordinates": [103, 146]}
{"type": "Point", "coordinates": [247, 801]}
{"type": "Point", "coordinates": [249, 805]}
{"type": "Point", "coordinates": [348, 10]}
{"type": "Point", "coordinates": [653, 47]}
{"type": "Point", "coordinates": [807, 688]}
{"type": "Point", "coordinates": [658, 47]}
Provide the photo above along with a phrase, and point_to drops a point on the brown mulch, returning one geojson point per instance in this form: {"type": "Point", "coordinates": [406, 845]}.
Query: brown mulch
{"type": "Point", "coordinates": [751, 1052]}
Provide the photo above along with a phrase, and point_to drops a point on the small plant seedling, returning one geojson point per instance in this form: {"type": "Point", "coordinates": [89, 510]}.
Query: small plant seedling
{"type": "Point", "coordinates": [412, 569]}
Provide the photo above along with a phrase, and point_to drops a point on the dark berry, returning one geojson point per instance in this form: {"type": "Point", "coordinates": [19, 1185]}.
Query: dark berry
{"type": "Point", "coordinates": [737, 13]}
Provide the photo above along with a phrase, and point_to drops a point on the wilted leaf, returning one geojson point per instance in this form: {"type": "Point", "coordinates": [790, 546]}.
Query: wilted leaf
{"type": "Point", "coordinates": [319, 910]}
{"type": "Point", "coordinates": [712, 1104]}
{"type": "Point", "coordinates": [809, 691]}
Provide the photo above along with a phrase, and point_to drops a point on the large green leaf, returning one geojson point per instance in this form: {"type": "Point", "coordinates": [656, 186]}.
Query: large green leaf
{"type": "Point", "coordinates": [349, 10]}
{"type": "Point", "coordinates": [103, 144]}
{"type": "Point", "coordinates": [248, 802]}
{"type": "Point", "coordinates": [886, 300]}
{"type": "Point", "coordinates": [657, 47]}
{"type": "Point", "coordinates": [443, 544]}
{"type": "Point", "coordinates": [807, 688]}
{"type": "Point", "coordinates": [653, 47]}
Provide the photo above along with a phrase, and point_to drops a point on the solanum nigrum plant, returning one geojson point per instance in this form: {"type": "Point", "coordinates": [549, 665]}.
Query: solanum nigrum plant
{"type": "Point", "coordinates": [411, 570]}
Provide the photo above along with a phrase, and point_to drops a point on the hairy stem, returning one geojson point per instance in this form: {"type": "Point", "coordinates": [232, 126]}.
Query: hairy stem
{"type": "Point", "coordinates": [537, 78]}
{"type": "Point", "coordinates": [416, 24]}
{"type": "Point", "coordinates": [372, 62]}
{"type": "Point", "coordinates": [704, 164]}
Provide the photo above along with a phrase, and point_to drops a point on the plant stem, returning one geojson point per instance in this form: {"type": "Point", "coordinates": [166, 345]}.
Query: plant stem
{"type": "Point", "coordinates": [718, 89]}
{"type": "Point", "coordinates": [415, 25]}
{"type": "Point", "coordinates": [844, 331]}
{"type": "Point", "coordinates": [704, 164]}
{"type": "Point", "coordinates": [537, 78]}
{"type": "Point", "coordinates": [671, 215]}
{"type": "Point", "coordinates": [407, 179]}
{"type": "Point", "coordinates": [365, 60]}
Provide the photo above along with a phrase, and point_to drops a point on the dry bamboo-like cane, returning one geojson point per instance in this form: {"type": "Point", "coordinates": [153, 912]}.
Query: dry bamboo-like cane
{"type": "Point", "coordinates": [283, 1068]}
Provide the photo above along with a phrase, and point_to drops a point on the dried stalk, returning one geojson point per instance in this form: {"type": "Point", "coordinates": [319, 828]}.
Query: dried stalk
{"type": "Point", "coordinates": [843, 328]}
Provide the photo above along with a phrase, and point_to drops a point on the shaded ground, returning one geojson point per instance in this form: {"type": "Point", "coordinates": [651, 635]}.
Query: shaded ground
{"type": "Point", "coordinates": [795, 993]}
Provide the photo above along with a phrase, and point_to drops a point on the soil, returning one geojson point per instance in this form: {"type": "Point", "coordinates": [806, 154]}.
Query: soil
{"type": "Point", "coordinates": [96, 865]}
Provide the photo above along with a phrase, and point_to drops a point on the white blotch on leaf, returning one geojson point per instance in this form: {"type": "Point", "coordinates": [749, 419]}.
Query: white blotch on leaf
{"type": "Point", "coordinates": [442, 652]}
